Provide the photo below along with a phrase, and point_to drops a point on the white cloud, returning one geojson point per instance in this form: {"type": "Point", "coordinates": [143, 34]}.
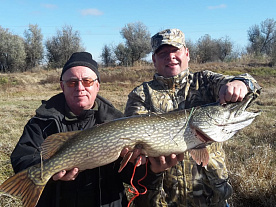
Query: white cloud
{"type": "Point", "coordinates": [93, 12]}
{"type": "Point", "coordinates": [49, 6]}
{"type": "Point", "coordinates": [221, 6]}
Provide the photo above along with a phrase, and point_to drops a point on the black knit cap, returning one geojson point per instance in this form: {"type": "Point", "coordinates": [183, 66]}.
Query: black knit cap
{"type": "Point", "coordinates": [81, 59]}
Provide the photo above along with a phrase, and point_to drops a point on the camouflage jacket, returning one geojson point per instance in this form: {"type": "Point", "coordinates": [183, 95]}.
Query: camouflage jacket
{"type": "Point", "coordinates": [186, 184]}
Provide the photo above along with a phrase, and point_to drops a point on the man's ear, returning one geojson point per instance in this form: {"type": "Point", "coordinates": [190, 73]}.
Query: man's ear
{"type": "Point", "coordinates": [61, 85]}
{"type": "Point", "coordinates": [153, 59]}
{"type": "Point", "coordinates": [98, 86]}
{"type": "Point", "coordinates": [188, 54]}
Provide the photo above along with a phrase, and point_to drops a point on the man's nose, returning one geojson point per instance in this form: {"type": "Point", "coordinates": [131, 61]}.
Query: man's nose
{"type": "Point", "coordinates": [80, 85]}
{"type": "Point", "coordinates": [171, 55]}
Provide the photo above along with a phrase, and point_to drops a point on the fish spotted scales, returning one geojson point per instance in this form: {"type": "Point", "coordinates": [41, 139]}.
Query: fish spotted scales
{"type": "Point", "coordinates": [162, 134]}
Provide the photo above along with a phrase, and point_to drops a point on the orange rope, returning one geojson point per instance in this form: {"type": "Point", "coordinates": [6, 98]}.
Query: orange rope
{"type": "Point", "coordinates": [136, 192]}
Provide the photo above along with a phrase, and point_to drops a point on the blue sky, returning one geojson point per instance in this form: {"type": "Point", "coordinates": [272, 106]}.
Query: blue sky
{"type": "Point", "coordinates": [100, 21]}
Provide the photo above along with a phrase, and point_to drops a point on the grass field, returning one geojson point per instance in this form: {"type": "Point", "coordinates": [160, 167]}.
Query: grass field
{"type": "Point", "coordinates": [251, 154]}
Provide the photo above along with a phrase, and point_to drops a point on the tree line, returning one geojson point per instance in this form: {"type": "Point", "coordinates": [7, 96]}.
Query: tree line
{"type": "Point", "coordinates": [24, 53]}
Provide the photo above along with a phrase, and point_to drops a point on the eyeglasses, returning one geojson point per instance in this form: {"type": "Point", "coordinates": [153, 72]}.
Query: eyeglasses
{"type": "Point", "coordinates": [87, 82]}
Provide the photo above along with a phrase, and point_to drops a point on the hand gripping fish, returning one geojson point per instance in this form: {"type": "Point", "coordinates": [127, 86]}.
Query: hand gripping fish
{"type": "Point", "coordinates": [163, 134]}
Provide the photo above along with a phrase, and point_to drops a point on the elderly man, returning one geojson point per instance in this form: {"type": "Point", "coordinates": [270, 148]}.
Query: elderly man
{"type": "Point", "coordinates": [78, 107]}
{"type": "Point", "coordinates": [174, 87]}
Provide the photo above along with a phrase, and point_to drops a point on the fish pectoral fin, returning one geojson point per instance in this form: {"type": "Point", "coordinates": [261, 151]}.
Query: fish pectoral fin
{"type": "Point", "coordinates": [53, 143]}
{"type": "Point", "coordinates": [200, 156]}
{"type": "Point", "coordinates": [125, 160]}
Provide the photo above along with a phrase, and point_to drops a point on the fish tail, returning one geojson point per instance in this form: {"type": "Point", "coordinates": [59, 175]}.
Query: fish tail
{"type": "Point", "coordinates": [20, 185]}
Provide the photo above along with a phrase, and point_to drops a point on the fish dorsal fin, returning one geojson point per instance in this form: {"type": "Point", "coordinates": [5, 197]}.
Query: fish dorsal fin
{"type": "Point", "coordinates": [200, 155]}
{"type": "Point", "coordinates": [53, 143]}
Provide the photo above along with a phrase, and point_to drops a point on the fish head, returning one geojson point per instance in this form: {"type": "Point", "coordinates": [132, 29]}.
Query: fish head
{"type": "Point", "coordinates": [218, 123]}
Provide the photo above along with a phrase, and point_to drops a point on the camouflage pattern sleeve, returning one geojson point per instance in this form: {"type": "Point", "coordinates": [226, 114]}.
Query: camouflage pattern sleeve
{"type": "Point", "coordinates": [252, 85]}
{"type": "Point", "coordinates": [136, 103]}
{"type": "Point", "coordinates": [217, 80]}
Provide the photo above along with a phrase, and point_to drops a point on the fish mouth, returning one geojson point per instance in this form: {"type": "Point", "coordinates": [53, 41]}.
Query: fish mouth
{"type": "Point", "coordinates": [203, 137]}
{"type": "Point", "coordinates": [220, 123]}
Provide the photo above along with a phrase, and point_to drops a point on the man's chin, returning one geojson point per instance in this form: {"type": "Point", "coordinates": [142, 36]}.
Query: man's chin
{"type": "Point", "coordinates": [81, 99]}
{"type": "Point", "coordinates": [82, 103]}
{"type": "Point", "coordinates": [172, 73]}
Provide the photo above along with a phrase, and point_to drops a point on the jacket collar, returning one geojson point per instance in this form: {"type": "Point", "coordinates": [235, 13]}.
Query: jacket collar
{"type": "Point", "coordinates": [174, 82]}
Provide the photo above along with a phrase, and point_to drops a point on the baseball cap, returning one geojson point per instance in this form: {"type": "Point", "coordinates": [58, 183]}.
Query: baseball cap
{"type": "Point", "coordinates": [173, 37]}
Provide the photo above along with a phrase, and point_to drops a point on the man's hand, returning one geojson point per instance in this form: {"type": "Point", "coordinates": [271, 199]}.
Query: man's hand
{"type": "Point", "coordinates": [232, 92]}
{"type": "Point", "coordinates": [162, 163]}
{"type": "Point", "coordinates": [158, 164]}
{"type": "Point", "coordinates": [66, 175]}
{"type": "Point", "coordinates": [136, 153]}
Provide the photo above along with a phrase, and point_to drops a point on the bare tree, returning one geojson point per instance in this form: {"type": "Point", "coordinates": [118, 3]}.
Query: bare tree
{"type": "Point", "coordinates": [192, 50]}
{"type": "Point", "coordinates": [268, 29]}
{"type": "Point", "coordinates": [137, 40]}
{"type": "Point", "coordinates": [60, 47]}
{"type": "Point", "coordinates": [205, 49]}
{"type": "Point", "coordinates": [33, 46]}
{"type": "Point", "coordinates": [224, 48]}
{"type": "Point", "coordinates": [261, 38]}
{"type": "Point", "coordinates": [123, 54]}
{"type": "Point", "coordinates": [107, 56]}
{"type": "Point", "coordinates": [273, 52]}
{"type": "Point", "coordinates": [208, 49]}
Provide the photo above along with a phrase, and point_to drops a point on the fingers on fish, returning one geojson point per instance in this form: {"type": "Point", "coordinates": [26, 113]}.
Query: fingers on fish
{"type": "Point", "coordinates": [200, 156]}
{"type": "Point", "coordinates": [125, 160]}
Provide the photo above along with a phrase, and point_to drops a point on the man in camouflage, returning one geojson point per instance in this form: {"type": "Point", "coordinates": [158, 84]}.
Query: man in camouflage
{"type": "Point", "coordinates": [174, 87]}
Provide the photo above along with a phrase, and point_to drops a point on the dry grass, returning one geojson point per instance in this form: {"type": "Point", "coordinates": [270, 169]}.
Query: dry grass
{"type": "Point", "coordinates": [251, 154]}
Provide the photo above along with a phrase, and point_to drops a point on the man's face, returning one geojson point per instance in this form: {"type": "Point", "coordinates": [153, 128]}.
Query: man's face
{"type": "Point", "coordinates": [79, 97]}
{"type": "Point", "coordinates": [170, 61]}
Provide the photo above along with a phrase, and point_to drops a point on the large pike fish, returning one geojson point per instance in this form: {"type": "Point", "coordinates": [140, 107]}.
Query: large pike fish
{"type": "Point", "coordinates": [162, 134]}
